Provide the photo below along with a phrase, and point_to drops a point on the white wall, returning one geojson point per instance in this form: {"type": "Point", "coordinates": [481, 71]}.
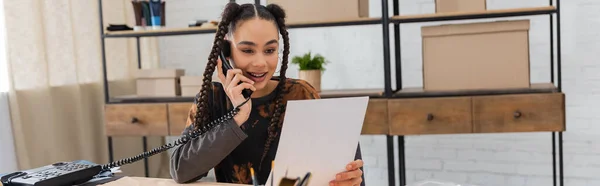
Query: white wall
{"type": "Point", "coordinates": [483, 159]}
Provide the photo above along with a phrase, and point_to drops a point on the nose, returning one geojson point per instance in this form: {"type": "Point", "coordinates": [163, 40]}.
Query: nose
{"type": "Point", "coordinates": [260, 61]}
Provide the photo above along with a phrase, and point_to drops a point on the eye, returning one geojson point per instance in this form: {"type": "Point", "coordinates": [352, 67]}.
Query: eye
{"type": "Point", "coordinates": [247, 51]}
{"type": "Point", "coordinates": [269, 51]}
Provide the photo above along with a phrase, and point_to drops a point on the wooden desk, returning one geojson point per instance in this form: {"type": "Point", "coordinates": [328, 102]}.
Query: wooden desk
{"type": "Point", "coordinates": [141, 181]}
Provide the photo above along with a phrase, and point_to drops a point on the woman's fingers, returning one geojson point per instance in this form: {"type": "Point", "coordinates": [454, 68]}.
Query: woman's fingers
{"type": "Point", "coordinates": [242, 78]}
{"type": "Point", "coordinates": [238, 89]}
{"type": "Point", "coordinates": [348, 175]}
{"type": "Point", "coordinates": [237, 79]}
{"type": "Point", "coordinates": [354, 165]}
{"type": "Point", "coordinates": [220, 74]}
{"type": "Point", "coordinates": [357, 181]}
{"type": "Point", "coordinates": [350, 182]}
{"type": "Point", "coordinates": [230, 75]}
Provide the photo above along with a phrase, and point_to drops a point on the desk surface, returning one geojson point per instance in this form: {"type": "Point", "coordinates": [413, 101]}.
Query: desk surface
{"type": "Point", "coordinates": [139, 181]}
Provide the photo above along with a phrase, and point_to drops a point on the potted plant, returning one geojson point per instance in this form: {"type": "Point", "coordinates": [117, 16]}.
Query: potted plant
{"type": "Point", "coordinates": [310, 68]}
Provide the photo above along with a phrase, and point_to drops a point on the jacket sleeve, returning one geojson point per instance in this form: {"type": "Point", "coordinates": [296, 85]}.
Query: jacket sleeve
{"type": "Point", "coordinates": [192, 161]}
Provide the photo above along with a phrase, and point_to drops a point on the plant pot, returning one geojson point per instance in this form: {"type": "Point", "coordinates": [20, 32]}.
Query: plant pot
{"type": "Point", "coordinates": [313, 77]}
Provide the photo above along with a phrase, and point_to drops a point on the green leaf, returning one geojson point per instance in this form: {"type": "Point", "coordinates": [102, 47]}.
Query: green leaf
{"type": "Point", "coordinates": [308, 62]}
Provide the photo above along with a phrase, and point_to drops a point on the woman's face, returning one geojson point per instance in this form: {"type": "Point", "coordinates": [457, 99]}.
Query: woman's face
{"type": "Point", "coordinates": [255, 46]}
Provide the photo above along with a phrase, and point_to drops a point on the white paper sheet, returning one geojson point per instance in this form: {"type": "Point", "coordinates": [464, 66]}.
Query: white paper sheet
{"type": "Point", "coordinates": [319, 136]}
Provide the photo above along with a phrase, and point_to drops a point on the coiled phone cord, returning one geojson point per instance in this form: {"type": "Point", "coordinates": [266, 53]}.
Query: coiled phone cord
{"type": "Point", "coordinates": [184, 139]}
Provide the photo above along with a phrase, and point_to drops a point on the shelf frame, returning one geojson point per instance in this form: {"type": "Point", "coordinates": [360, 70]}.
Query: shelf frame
{"type": "Point", "coordinates": [399, 92]}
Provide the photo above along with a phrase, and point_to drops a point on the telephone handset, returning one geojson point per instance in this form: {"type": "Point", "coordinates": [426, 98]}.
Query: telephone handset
{"type": "Point", "coordinates": [226, 52]}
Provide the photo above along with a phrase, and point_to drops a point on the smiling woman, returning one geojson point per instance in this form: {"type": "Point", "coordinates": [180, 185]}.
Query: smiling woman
{"type": "Point", "coordinates": [249, 141]}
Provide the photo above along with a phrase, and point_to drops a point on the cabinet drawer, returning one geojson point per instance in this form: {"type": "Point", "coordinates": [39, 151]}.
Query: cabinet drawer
{"type": "Point", "coordinates": [430, 116]}
{"type": "Point", "coordinates": [178, 114]}
{"type": "Point", "coordinates": [519, 113]}
{"type": "Point", "coordinates": [376, 119]}
{"type": "Point", "coordinates": [136, 120]}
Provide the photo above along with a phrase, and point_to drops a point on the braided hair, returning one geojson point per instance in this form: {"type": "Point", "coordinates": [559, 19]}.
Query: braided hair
{"type": "Point", "coordinates": [233, 14]}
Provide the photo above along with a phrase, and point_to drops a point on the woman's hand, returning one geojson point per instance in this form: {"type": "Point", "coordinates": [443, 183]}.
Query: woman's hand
{"type": "Point", "coordinates": [351, 177]}
{"type": "Point", "coordinates": [234, 91]}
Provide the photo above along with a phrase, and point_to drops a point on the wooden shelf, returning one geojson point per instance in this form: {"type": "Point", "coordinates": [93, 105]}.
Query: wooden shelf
{"type": "Point", "coordinates": [149, 99]}
{"type": "Point", "coordinates": [373, 93]}
{"type": "Point", "coordinates": [178, 99]}
{"type": "Point", "coordinates": [474, 15]}
{"type": "Point", "coordinates": [340, 22]}
{"type": "Point", "coordinates": [416, 92]}
{"type": "Point", "coordinates": [208, 30]}
{"type": "Point", "coordinates": [160, 32]}
{"type": "Point", "coordinates": [419, 92]}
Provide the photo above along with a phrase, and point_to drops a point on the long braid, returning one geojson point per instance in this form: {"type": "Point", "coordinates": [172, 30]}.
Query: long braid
{"type": "Point", "coordinates": [279, 15]}
{"type": "Point", "coordinates": [202, 110]}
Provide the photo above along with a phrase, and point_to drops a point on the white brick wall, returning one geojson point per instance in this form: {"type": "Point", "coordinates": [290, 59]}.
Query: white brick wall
{"type": "Point", "coordinates": [481, 159]}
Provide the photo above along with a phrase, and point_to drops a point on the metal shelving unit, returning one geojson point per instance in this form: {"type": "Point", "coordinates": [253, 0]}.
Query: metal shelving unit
{"type": "Point", "coordinates": [400, 92]}
{"type": "Point", "coordinates": [388, 93]}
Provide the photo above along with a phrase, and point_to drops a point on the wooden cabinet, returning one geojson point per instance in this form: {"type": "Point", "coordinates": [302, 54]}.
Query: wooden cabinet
{"type": "Point", "coordinates": [430, 115]}
{"type": "Point", "coordinates": [178, 114]}
{"type": "Point", "coordinates": [136, 119]}
{"type": "Point", "coordinates": [477, 114]}
{"type": "Point", "coordinates": [402, 116]}
{"type": "Point", "coordinates": [376, 119]}
{"type": "Point", "coordinates": [519, 113]}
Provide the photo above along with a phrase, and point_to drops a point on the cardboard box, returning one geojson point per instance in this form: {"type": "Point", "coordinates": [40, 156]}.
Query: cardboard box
{"type": "Point", "coordinates": [191, 85]}
{"type": "Point", "coordinates": [444, 6]}
{"type": "Point", "coordinates": [158, 82]}
{"type": "Point", "coordinates": [191, 80]}
{"type": "Point", "coordinates": [322, 10]}
{"type": "Point", "coordinates": [482, 56]}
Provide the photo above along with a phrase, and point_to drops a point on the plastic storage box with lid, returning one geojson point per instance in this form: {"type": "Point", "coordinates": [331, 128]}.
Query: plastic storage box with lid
{"type": "Point", "coordinates": [447, 6]}
{"type": "Point", "coordinates": [476, 56]}
{"type": "Point", "coordinates": [158, 82]}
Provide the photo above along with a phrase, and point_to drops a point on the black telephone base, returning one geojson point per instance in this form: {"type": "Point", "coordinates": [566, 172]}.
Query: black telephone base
{"type": "Point", "coordinates": [57, 174]}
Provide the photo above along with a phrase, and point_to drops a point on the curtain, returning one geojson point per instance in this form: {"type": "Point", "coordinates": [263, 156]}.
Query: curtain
{"type": "Point", "coordinates": [7, 157]}
{"type": "Point", "coordinates": [56, 97]}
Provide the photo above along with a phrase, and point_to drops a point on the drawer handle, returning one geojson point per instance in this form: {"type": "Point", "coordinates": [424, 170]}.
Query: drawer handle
{"type": "Point", "coordinates": [517, 114]}
{"type": "Point", "coordinates": [429, 117]}
{"type": "Point", "coordinates": [134, 120]}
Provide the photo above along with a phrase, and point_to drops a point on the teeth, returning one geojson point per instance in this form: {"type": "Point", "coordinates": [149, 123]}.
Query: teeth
{"type": "Point", "coordinates": [257, 75]}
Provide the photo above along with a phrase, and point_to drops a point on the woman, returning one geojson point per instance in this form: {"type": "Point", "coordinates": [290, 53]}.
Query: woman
{"type": "Point", "coordinates": [249, 139]}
